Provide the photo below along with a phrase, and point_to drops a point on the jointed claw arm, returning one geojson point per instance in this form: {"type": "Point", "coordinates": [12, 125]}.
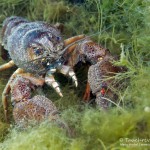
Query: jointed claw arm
{"type": "Point", "coordinates": [7, 65]}
{"type": "Point", "coordinates": [7, 91]}
{"type": "Point", "coordinates": [34, 80]}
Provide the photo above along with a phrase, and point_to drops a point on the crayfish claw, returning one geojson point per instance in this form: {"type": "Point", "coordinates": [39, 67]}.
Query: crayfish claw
{"type": "Point", "coordinates": [49, 79]}
{"type": "Point", "coordinates": [71, 73]}
{"type": "Point", "coordinates": [59, 91]}
{"type": "Point", "coordinates": [55, 85]}
{"type": "Point", "coordinates": [68, 71]}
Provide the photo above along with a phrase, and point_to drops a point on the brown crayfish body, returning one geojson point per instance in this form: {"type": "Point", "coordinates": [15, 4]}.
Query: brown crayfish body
{"type": "Point", "coordinates": [37, 48]}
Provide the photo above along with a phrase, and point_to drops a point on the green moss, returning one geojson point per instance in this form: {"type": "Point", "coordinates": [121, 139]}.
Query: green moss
{"type": "Point", "coordinates": [138, 92]}
{"type": "Point", "coordinates": [93, 130]}
{"type": "Point", "coordinates": [44, 137]}
{"type": "Point", "coordinates": [3, 130]}
{"type": "Point", "coordinates": [49, 11]}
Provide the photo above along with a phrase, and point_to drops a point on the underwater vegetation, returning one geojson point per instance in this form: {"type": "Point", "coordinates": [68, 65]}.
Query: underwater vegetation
{"type": "Point", "coordinates": [92, 130]}
{"type": "Point", "coordinates": [123, 26]}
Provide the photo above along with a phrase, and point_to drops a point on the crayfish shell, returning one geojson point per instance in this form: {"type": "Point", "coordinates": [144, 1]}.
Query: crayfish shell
{"type": "Point", "coordinates": [28, 41]}
{"type": "Point", "coordinates": [34, 110]}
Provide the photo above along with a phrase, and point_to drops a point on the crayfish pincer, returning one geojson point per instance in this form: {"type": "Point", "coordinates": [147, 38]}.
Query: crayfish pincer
{"type": "Point", "coordinates": [101, 78]}
{"type": "Point", "coordinates": [27, 109]}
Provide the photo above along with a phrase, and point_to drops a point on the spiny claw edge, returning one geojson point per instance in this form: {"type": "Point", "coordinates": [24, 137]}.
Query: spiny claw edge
{"type": "Point", "coordinates": [73, 76]}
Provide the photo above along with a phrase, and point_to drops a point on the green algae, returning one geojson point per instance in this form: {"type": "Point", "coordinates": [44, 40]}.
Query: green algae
{"type": "Point", "coordinates": [93, 130]}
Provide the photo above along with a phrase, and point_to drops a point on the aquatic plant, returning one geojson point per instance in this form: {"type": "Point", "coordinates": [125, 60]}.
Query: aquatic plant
{"type": "Point", "coordinates": [90, 130]}
{"type": "Point", "coordinates": [3, 130]}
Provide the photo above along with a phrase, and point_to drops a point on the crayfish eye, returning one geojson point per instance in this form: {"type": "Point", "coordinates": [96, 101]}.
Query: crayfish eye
{"type": "Point", "coordinates": [58, 38]}
{"type": "Point", "coordinates": [38, 51]}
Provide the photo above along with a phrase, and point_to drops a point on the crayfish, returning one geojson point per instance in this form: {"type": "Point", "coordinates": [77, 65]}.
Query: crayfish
{"type": "Point", "coordinates": [38, 48]}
